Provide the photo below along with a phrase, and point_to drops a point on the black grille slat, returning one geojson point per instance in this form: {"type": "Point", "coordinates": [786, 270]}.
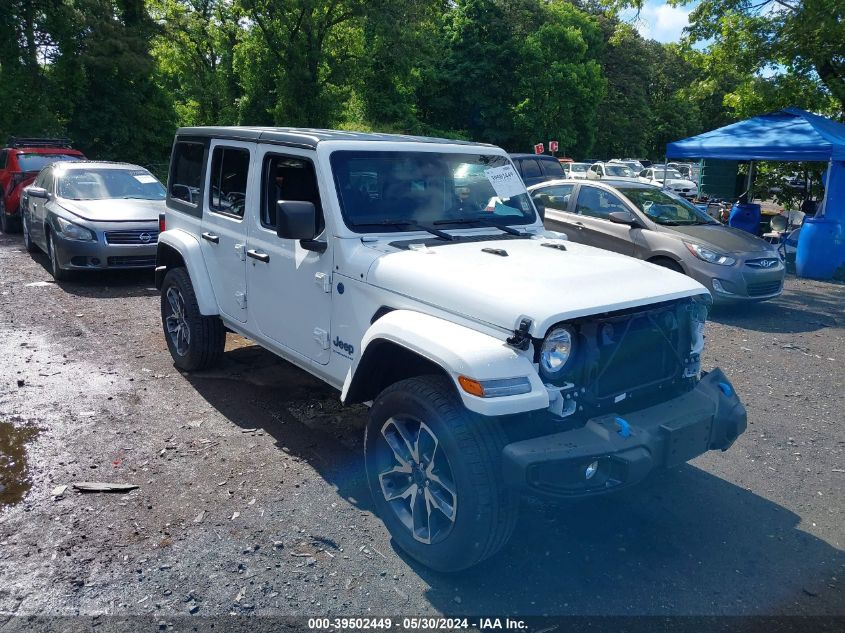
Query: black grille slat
{"type": "Point", "coordinates": [132, 261]}
{"type": "Point", "coordinates": [763, 288]}
{"type": "Point", "coordinates": [131, 237]}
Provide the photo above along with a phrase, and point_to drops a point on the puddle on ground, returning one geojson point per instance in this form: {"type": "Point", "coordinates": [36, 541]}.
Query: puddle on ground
{"type": "Point", "coordinates": [14, 473]}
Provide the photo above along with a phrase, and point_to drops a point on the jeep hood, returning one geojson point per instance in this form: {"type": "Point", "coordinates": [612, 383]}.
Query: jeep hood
{"type": "Point", "coordinates": [545, 284]}
{"type": "Point", "coordinates": [114, 209]}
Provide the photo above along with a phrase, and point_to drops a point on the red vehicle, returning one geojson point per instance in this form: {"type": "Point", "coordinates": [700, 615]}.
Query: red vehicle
{"type": "Point", "coordinates": [20, 163]}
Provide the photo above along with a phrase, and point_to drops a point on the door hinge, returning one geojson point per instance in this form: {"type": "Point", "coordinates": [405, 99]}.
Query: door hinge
{"type": "Point", "coordinates": [322, 337]}
{"type": "Point", "coordinates": [324, 280]}
{"type": "Point", "coordinates": [240, 297]}
{"type": "Point", "coordinates": [241, 251]}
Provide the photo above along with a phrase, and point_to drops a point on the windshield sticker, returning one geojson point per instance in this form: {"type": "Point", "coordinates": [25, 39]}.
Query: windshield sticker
{"type": "Point", "coordinates": [145, 179]}
{"type": "Point", "coordinates": [505, 181]}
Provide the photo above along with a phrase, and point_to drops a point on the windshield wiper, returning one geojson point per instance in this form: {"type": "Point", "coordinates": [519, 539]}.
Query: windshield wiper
{"type": "Point", "coordinates": [443, 235]}
{"type": "Point", "coordinates": [484, 222]}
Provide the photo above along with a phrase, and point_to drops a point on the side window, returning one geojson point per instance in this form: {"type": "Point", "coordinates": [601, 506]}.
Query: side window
{"type": "Point", "coordinates": [288, 178]}
{"type": "Point", "coordinates": [47, 180]}
{"type": "Point", "coordinates": [186, 171]}
{"type": "Point", "coordinates": [552, 168]}
{"type": "Point", "coordinates": [530, 168]}
{"type": "Point", "coordinates": [556, 197]}
{"type": "Point", "coordinates": [597, 203]}
{"type": "Point", "coordinates": [229, 174]}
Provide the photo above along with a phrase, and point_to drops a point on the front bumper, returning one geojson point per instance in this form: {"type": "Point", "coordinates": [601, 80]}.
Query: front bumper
{"type": "Point", "coordinates": [740, 282]}
{"type": "Point", "coordinates": [625, 449]}
{"type": "Point", "coordinates": [100, 255]}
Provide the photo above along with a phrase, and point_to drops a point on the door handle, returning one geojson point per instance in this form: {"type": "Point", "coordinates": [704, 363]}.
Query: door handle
{"type": "Point", "coordinates": [262, 257]}
{"type": "Point", "coordinates": [214, 239]}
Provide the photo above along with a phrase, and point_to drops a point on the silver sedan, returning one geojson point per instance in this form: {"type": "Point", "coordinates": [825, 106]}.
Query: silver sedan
{"type": "Point", "coordinates": [89, 215]}
{"type": "Point", "coordinates": [649, 223]}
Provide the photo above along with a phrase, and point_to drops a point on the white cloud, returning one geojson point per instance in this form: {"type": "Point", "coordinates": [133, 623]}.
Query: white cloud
{"type": "Point", "coordinates": [662, 22]}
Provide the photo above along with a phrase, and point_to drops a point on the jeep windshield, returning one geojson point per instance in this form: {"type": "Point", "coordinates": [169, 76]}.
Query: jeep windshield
{"type": "Point", "coordinates": [406, 191]}
{"type": "Point", "coordinates": [102, 184]}
{"type": "Point", "coordinates": [665, 208]}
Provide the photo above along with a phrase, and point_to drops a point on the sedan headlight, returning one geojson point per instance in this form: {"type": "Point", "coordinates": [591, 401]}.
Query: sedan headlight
{"type": "Point", "coordinates": [73, 231]}
{"type": "Point", "coordinates": [555, 352]}
{"type": "Point", "coordinates": [710, 256]}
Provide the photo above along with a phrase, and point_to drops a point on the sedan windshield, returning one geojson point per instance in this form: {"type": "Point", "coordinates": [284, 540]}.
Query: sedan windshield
{"type": "Point", "coordinates": [102, 184]}
{"type": "Point", "coordinates": [405, 191]}
{"type": "Point", "coordinates": [580, 168]}
{"type": "Point", "coordinates": [670, 173]}
{"type": "Point", "coordinates": [665, 208]}
{"type": "Point", "coordinates": [37, 162]}
{"type": "Point", "coordinates": [618, 170]}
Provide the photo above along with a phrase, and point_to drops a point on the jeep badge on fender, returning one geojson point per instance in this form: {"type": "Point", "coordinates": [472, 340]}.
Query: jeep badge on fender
{"type": "Point", "coordinates": [498, 359]}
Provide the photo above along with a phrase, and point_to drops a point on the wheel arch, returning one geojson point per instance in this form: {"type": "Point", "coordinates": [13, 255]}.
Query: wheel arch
{"type": "Point", "coordinates": [177, 249]}
{"type": "Point", "coordinates": [403, 343]}
{"type": "Point", "coordinates": [659, 257]}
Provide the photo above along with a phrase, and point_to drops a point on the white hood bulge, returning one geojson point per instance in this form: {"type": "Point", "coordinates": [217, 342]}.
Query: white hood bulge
{"type": "Point", "coordinates": [545, 284]}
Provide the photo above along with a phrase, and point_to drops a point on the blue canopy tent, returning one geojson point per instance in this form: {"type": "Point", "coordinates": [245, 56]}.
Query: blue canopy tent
{"type": "Point", "coordinates": [789, 135]}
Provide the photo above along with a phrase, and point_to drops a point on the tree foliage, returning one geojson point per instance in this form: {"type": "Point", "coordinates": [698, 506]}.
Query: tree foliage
{"type": "Point", "coordinates": [118, 76]}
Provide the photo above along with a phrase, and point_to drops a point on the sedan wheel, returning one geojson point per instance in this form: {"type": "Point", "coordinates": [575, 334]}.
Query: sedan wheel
{"type": "Point", "coordinates": [29, 245]}
{"type": "Point", "coordinates": [56, 269]}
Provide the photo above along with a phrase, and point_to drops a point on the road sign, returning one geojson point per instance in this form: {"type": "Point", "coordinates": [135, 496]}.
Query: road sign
{"type": "Point", "coordinates": [539, 149]}
{"type": "Point", "coordinates": [552, 146]}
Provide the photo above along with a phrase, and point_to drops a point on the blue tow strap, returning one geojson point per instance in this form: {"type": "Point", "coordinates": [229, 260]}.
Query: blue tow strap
{"type": "Point", "coordinates": [624, 428]}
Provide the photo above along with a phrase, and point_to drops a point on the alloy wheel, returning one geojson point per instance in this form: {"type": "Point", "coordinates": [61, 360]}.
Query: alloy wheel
{"type": "Point", "coordinates": [176, 322]}
{"type": "Point", "coordinates": [416, 479]}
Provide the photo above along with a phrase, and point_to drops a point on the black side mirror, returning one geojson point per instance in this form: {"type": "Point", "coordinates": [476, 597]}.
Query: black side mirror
{"type": "Point", "coordinates": [297, 220]}
{"type": "Point", "coordinates": [540, 206]}
{"type": "Point", "coordinates": [37, 192]}
{"type": "Point", "coordinates": [622, 217]}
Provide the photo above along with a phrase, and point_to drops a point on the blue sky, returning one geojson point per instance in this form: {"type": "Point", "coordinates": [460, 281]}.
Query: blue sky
{"type": "Point", "coordinates": [660, 21]}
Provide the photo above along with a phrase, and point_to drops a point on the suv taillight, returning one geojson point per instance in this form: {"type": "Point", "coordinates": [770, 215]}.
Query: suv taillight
{"type": "Point", "coordinates": [161, 226]}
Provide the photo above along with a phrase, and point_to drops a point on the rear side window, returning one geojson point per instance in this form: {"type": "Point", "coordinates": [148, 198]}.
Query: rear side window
{"type": "Point", "coordinates": [288, 178]}
{"type": "Point", "coordinates": [530, 168]}
{"type": "Point", "coordinates": [229, 175]}
{"type": "Point", "coordinates": [186, 172]}
{"type": "Point", "coordinates": [552, 168]}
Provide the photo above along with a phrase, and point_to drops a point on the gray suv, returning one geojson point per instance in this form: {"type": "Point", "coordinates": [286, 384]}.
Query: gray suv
{"type": "Point", "coordinates": [650, 223]}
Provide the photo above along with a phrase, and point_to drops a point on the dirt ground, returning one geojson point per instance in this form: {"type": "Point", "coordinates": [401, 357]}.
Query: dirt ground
{"type": "Point", "coordinates": [251, 495]}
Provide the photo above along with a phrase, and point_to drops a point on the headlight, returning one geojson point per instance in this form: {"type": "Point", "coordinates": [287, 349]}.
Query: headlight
{"type": "Point", "coordinates": [555, 352]}
{"type": "Point", "coordinates": [710, 256]}
{"type": "Point", "coordinates": [73, 231]}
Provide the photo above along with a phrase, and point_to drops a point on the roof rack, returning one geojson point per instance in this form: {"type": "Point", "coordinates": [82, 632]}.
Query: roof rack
{"type": "Point", "coordinates": [25, 141]}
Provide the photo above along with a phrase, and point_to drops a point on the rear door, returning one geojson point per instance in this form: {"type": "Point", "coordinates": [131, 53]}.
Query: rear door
{"type": "Point", "coordinates": [594, 205]}
{"type": "Point", "coordinates": [226, 196]}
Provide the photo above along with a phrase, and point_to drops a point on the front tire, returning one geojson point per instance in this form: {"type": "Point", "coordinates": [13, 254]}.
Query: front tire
{"type": "Point", "coordinates": [59, 273]}
{"type": "Point", "coordinates": [195, 341]}
{"type": "Point", "coordinates": [434, 470]}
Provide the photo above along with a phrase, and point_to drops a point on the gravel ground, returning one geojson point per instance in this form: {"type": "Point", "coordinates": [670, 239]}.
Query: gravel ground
{"type": "Point", "coordinates": [251, 495]}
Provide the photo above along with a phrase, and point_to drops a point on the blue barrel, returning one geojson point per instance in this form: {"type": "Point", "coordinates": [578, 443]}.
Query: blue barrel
{"type": "Point", "coordinates": [745, 216]}
{"type": "Point", "coordinates": [821, 249]}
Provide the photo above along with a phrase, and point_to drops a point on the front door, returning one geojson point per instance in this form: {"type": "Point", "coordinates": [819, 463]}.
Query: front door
{"type": "Point", "coordinates": [227, 198]}
{"type": "Point", "coordinates": [289, 287]}
{"type": "Point", "coordinates": [594, 207]}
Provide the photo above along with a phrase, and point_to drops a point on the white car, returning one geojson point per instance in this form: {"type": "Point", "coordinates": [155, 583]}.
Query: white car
{"type": "Point", "coordinates": [635, 165]}
{"type": "Point", "coordinates": [578, 171]}
{"type": "Point", "coordinates": [671, 179]}
{"type": "Point", "coordinates": [614, 171]}
{"type": "Point", "coordinates": [497, 358]}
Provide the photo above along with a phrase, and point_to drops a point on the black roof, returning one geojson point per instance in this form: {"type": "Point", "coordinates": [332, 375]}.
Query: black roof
{"type": "Point", "coordinates": [305, 137]}
{"type": "Point", "coordinates": [540, 156]}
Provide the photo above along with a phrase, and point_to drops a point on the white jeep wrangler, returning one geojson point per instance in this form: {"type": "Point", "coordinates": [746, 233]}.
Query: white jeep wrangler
{"type": "Point", "coordinates": [414, 274]}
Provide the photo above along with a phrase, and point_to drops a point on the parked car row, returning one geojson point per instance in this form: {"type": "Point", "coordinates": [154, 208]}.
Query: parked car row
{"type": "Point", "coordinates": [500, 358]}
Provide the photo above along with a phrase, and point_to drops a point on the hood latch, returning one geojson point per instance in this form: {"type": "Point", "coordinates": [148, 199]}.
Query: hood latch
{"type": "Point", "coordinates": [521, 338]}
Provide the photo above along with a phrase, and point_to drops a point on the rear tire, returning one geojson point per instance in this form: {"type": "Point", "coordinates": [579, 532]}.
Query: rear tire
{"type": "Point", "coordinates": [9, 223]}
{"type": "Point", "coordinates": [195, 341]}
{"type": "Point", "coordinates": [28, 244]}
{"type": "Point", "coordinates": [425, 451]}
